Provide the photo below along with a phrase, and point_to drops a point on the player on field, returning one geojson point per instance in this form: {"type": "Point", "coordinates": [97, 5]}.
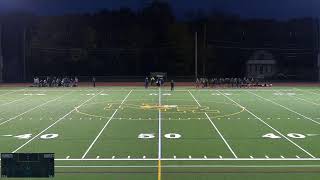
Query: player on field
{"type": "Point", "coordinates": [94, 81]}
{"type": "Point", "coordinates": [146, 83]}
{"type": "Point", "coordinates": [172, 85]}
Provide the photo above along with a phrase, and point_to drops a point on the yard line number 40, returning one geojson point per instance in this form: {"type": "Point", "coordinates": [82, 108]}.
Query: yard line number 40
{"type": "Point", "coordinates": [291, 135]}
{"type": "Point", "coordinates": [44, 136]}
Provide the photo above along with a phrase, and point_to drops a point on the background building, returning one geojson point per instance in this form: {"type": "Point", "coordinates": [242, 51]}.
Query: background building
{"type": "Point", "coordinates": [125, 42]}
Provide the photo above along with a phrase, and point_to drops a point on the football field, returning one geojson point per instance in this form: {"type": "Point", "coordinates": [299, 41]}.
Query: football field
{"type": "Point", "coordinates": [157, 134]}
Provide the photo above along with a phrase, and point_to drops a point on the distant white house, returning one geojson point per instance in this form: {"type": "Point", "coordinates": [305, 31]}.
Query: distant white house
{"type": "Point", "coordinates": [261, 64]}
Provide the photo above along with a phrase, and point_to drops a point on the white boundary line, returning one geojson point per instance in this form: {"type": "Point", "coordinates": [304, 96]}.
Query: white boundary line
{"type": "Point", "coordinates": [285, 108]}
{"type": "Point", "coordinates": [60, 119]}
{"type": "Point", "coordinates": [195, 159]}
{"type": "Point", "coordinates": [143, 90]}
{"type": "Point", "coordinates": [285, 137]}
{"type": "Point", "coordinates": [198, 166]}
{"type": "Point", "coordinates": [32, 109]}
{"type": "Point", "coordinates": [224, 140]}
{"type": "Point", "coordinates": [101, 131]}
{"type": "Point", "coordinates": [159, 125]}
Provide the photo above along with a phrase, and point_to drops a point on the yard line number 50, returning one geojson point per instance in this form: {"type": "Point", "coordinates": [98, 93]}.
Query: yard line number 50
{"type": "Point", "coordinates": [152, 136]}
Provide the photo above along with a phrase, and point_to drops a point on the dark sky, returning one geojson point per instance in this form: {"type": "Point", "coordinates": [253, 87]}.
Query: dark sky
{"type": "Point", "coordinates": [280, 9]}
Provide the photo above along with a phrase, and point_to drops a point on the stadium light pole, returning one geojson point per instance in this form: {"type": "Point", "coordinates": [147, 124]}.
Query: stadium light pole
{"type": "Point", "coordinates": [196, 55]}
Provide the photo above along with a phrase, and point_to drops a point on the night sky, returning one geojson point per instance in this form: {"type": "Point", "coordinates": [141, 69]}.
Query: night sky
{"type": "Point", "coordinates": [280, 9]}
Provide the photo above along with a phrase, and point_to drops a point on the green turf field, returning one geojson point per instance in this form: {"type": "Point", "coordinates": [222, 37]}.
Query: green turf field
{"type": "Point", "coordinates": [131, 133]}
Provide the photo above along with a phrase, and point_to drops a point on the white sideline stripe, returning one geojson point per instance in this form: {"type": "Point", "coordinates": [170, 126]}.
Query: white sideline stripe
{"type": "Point", "coordinates": [13, 101]}
{"type": "Point", "coordinates": [285, 137]}
{"type": "Point", "coordinates": [285, 108]}
{"type": "Point", "coordinates": [196, 166]}
{"type": "Point", "coordinates": [32, 109]}
{"type": "Point", "coordinates": [195, 159]}
{"type": "Point", "coordinates": [159, 125]}
{"type": "Point", "coordinates": [101, 131]}
{"type": "Point", "coordinates": [54, 123]}
{"type": "Point", "coordinates": [217, 130]}
{"type": "Point", "coordinates": [152, 90]}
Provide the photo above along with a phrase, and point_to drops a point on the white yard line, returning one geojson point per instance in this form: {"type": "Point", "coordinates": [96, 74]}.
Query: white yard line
{"type": "Point", "coordinates": [285, 108]}
{"type": "Point", "coordinates": [11, 91]}
{"type": "Point", "coordinates": [101, 131]}
{"type": "Point", "coordinates": [159, 125]}
{"type": "Point", "coordinates": [285, 137]}
{"type": "Point", "coordinates": [309, 91]}
{"type": "Point", "coordinates": [307, 101]}
{"type": "Point", "coordinates": [12, 101]}
{"type": "Point", "coordinates": [215, 127]}
{"type": "Point", "coordinates": [8, 120]}
{"type": "Point", "coordinates": [196, 166]}
{"type": "Point", "coordinates": [60, 119]}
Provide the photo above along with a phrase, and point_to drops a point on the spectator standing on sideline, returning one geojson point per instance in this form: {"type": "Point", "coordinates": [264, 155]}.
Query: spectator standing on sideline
{"type": "Point", "coordinates": [146, 83]}
{"type": "Point", "coordinates": [94, 81]}
{"type": "Point", "coordinates": [172, 85]}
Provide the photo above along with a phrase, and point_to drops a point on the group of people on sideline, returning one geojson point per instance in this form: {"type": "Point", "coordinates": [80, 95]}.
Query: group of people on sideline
{"type": "Point", "coordinates": [156, 81]}
{"type": "Point", "coordinates": [230, 82]}
{"type": "Point", "coordinates": [55, 82]}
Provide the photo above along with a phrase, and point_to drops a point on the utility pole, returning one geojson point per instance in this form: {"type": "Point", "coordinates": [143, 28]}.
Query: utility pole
{"type": "Point", "coordinates": [24, 54]}
{"type": "Point", "coordinates": [196, 55]}
{"type": "Point", "coordinates": [1, 58]}
{"type": "Point", "coordinates": [204, 53]}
